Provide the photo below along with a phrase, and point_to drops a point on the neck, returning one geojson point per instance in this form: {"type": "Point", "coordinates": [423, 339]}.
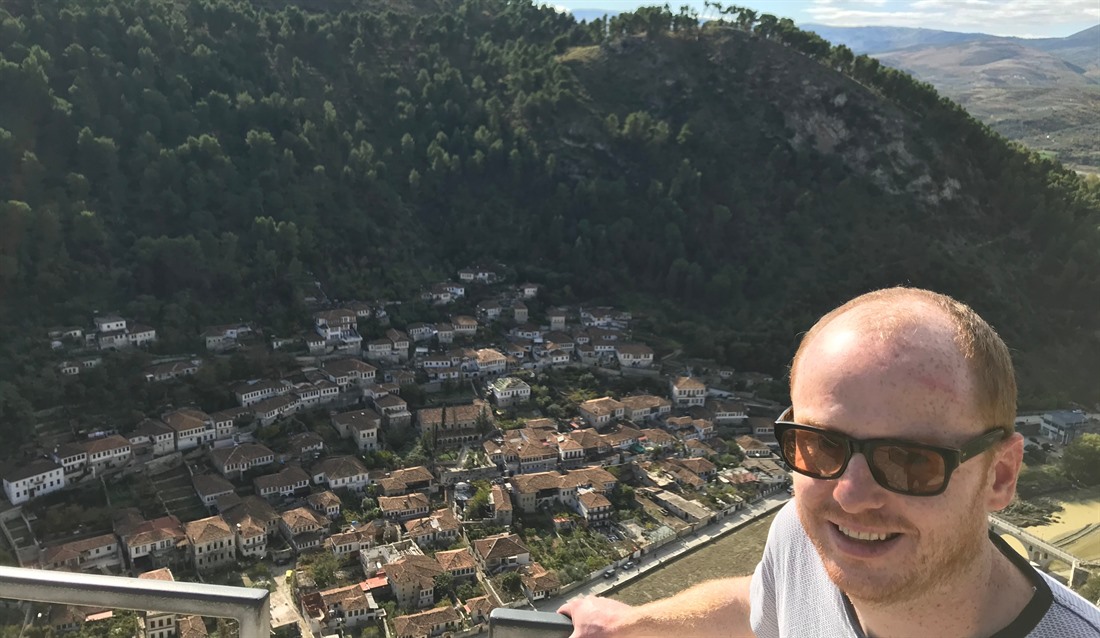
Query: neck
{"type": "Point", "coordinates": [979, 601]}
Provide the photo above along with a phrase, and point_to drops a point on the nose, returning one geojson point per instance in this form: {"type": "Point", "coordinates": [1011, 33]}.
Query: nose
{"type": "Point", "coordinates": [856, 490]}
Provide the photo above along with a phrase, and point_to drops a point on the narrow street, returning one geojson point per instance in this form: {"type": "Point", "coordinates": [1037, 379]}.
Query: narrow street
{"type": "Point", "coordinates": [283, 609]}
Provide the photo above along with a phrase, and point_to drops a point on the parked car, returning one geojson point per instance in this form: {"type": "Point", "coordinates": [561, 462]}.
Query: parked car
{"type": "Point", "coordinates": [629, 565]}
{"type": "Point", "coordinates": [609, 572]}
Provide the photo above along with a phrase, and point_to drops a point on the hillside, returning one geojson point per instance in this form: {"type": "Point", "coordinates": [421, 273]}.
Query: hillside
{"type": "Point", "coordinates": [186, 166]}
{"type": "Point", "coordinates": [1043, 92]}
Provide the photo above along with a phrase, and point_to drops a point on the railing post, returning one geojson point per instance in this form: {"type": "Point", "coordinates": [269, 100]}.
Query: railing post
{"type": "Point", "coordinates": [520, 623]}
{"type": "Point", "coordinates": [248, 606]}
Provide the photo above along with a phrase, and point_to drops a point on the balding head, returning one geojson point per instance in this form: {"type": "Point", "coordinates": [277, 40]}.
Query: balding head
{"type": "Point", "coordinates": [910, 317]}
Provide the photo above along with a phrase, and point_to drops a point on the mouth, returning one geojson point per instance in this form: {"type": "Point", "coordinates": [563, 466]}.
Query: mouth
{"type": "Point", "coordinates": [865, 537]}
{"type": "Point", "coordinates": [864, 545]}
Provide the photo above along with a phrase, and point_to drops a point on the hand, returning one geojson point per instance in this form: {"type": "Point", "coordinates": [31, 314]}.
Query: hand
{"type": "Point", "coordinates": [595, 617]}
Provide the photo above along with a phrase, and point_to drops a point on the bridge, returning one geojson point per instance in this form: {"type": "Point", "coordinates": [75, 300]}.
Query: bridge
{"type": "Point", "coordinates": [1042, 553]}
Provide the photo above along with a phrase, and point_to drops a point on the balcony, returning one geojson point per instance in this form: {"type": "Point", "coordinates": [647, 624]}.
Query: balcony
{"type": "Point", "coordinates": [248, 606]}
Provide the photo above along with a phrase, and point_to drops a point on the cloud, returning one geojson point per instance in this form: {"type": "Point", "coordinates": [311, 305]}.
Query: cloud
{"type": "Point", "coordinates": [560, 8]}
{"type": "Point", "coordinates": [1002, 17]}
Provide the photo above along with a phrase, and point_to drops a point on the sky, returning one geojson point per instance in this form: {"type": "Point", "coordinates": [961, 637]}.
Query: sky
{"type": "Point", "coordinates": [1020, 18]}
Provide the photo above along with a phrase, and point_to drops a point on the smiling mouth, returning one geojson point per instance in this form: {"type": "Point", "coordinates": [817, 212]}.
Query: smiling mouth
{"type": "Point", "coordinates": [866, 537]}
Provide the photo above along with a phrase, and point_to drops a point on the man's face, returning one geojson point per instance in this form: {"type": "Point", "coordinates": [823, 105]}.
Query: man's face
{"type": "Point", "coordinates": [916, 387]}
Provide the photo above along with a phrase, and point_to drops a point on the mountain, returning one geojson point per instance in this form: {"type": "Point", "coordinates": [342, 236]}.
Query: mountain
{"type": "Point", "coordinates": [981, 64]}
{"type": "Point", "coordinates": [874, 40]}
{"type": "Point", "coordinates": [1081, 48]}
{"type": "Point", "coordinates": [191, 164]}
{"type": "Point", "coordinates": [1044, 92]}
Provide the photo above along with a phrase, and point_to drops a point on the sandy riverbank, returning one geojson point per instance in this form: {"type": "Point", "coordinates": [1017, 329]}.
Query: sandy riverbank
{"type": "Point", "coordinates": [1077, 527]}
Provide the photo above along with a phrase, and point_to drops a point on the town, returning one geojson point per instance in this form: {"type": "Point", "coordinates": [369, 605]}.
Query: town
{"type": "Point", "coordinates": [405, 482]}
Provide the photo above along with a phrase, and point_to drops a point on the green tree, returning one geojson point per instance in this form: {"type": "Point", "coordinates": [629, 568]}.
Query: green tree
{"type": "Point", "coordinates": [1081, 459]}
{"type": "Point", "coordinates": [484, 422]}
{"type": "Point", "coordinates": [1090, 591]}
{"type": "Point", "coordinates": [479, 502]}
{"type": "Point", "coordinates": [511, 582]}
{"type": "Point", "coordinates": [323, 568]}
{"type": "Point", "coordinates": [444, 584]}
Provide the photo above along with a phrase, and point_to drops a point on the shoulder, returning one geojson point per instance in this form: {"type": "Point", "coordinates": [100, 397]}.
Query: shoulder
{"type": "Point", "coordinates": [790, 559]}
{"type": "Point", "coordinates": [791, 591]}
{"type": "Point", "coordinates": [1069, 614]}
{"type": "Point", "coordinates": [786, 531]}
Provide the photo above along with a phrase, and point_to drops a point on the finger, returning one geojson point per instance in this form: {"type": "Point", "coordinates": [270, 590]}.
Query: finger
{"type": "Point", "coordinates": [573, 603]}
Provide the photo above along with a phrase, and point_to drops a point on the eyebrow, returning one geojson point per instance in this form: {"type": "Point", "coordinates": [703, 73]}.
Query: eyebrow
{"type": "Point", "coordinates": [809, 422]}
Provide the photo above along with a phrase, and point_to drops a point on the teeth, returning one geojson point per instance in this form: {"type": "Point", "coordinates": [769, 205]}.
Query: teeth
{"type": "Point", "coordinates": [861, 535]}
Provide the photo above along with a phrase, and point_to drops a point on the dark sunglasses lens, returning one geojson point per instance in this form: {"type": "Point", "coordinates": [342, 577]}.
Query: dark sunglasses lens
{"type": "Point", "coordinates": [814, 453]}
{"type": "Point", "coordinates": [911, 470]}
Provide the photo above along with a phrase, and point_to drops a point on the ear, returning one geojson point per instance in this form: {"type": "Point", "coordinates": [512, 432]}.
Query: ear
{"type": "Point", "coordinates": [1007, 460]}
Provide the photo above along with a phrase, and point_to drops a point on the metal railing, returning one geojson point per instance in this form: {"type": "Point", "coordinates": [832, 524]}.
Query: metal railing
{"type": "Point", "coordinates": [248, 606]}
{"type": "Point", "coordinates": [519, 623]}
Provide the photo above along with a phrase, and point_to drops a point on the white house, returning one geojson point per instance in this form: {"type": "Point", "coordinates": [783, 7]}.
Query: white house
{"type": "Point", "coordinates": [108, 452]}
{"type": "Point", "coordinates": [601, 411]}
{"type": "Point", "coordinates": [283, 483]}
{"type": "Point", "coordinates": [688, 391]}
{"type": "Point", "coordinates": [634, 355]}
{"type": "Point", "coordinates": [140, 335]}
{"type": "Point", "coordinates": [109, 323]}
{"type": "Point", "coordinates": [192, 427]}
{"type": "Point", "coordinates": [360, 426]}
{"type": "Point", "coordinates": [252, 392]}
{"type": "Point", "coordinates": [39, 477]}
{"type": "Point", "coordinates": [341, 471]}
{"type": "Point", "coordinates": [213, 543]}
{"type": "Point", "coordinates": [508, 391]}
{"type": "Point", "coordinates": [72, 456]}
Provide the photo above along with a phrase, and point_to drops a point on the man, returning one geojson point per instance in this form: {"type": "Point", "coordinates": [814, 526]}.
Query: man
{"type": "Point", "coordinates": [901, 440]}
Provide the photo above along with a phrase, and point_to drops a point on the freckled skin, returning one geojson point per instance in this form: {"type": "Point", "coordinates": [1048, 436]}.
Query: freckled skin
{"type": "Point", "coordinates": [910, 386]}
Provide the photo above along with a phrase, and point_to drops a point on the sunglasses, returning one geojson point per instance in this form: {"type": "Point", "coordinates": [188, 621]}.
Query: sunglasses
{"type": "Point", "coordinates": [901, 466]}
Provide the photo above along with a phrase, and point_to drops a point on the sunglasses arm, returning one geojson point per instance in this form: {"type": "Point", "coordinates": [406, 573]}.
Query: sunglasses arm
{"type": "Point", "coordinates": [981, 444]}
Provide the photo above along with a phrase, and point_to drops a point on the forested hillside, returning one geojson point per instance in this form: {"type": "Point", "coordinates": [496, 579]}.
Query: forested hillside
{"type": "Point", "coordinates": [193, 162]}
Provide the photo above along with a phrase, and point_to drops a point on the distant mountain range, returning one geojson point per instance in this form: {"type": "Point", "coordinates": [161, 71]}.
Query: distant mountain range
{"type": "Point", "coordinates": [1081, 48]}
{"type": "Point", "coordinates": [1043, 92]}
